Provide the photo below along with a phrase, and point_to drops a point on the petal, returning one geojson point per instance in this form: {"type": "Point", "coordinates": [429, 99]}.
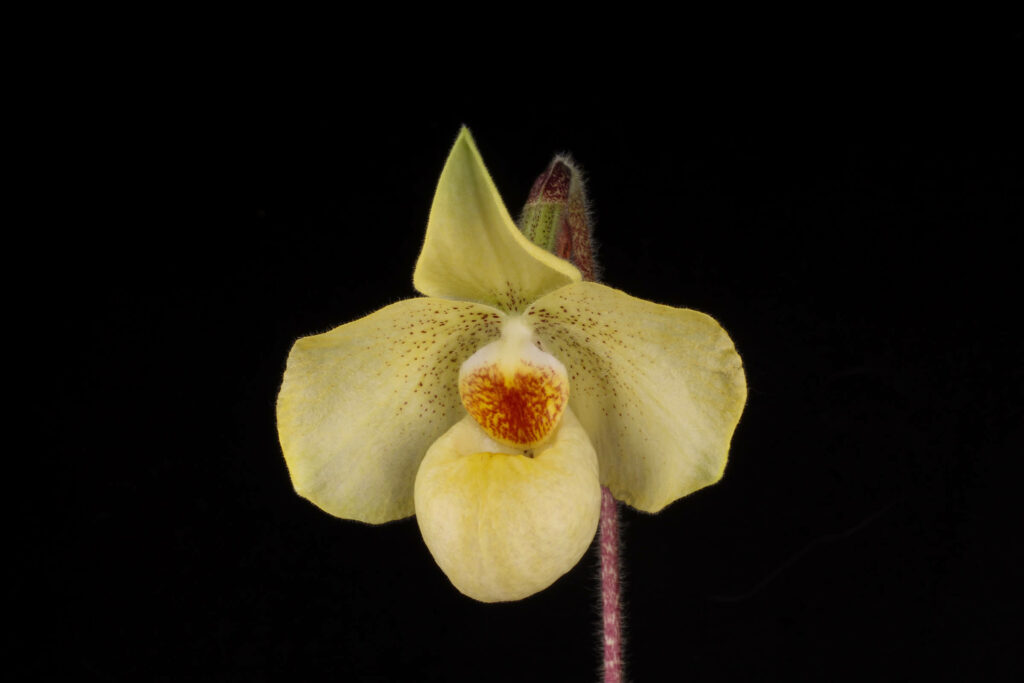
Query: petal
{"type": "Point", "coordinates": [658, 389]}
{"type": "Point", "coordinates": [473, 251]}
{"type": "Point", "coordinates": [502, 525]}
{"type": "Point", "coordinates": [361, 404]}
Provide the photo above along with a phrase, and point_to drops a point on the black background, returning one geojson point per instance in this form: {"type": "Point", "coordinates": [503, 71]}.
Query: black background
{"type": "Point", "coordinates": [859, 243]}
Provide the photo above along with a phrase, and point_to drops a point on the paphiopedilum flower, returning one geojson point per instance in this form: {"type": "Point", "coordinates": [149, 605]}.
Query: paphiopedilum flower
{"type": "Point", "coordinates": [495, 406]}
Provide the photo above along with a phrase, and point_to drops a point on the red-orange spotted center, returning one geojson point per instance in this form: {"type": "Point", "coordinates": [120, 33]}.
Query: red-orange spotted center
{"type": "Point", "coordinates": [518, 408]}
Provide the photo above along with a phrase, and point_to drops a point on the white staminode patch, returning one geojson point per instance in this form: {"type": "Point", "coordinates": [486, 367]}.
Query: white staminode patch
{"type": "Point", "coordinates": [516, 347]}
{"type": "Point", "coordinates": [515, 391]}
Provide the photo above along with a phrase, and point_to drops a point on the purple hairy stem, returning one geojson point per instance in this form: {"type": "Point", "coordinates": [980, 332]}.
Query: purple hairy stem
{"type": "Point", "coordinates": [556, 217]}
{"type": "Point", "coordinates": [611, 613]}
{"type": "Point", "coordinates": [575, 242]}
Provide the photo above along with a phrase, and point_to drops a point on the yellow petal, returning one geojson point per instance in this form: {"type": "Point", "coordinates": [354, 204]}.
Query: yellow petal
{"type": "Point", "coordinates": [473, 250]}
{"type": "Point", "coordinates": [502, 525]}
{"type": "Point", "coordinates": [658, 389]}
{"type": "Point", "coordinates": [361, 404]}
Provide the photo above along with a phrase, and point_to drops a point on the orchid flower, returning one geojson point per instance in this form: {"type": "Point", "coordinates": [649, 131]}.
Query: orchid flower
{"type": "Point", "coordinates": [495, 406]}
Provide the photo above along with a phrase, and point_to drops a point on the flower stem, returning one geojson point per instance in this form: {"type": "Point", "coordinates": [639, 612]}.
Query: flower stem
{"type": "Point", "coordinates": [610, 607]}
{"type": "Point", "coordinates": [556, 218]}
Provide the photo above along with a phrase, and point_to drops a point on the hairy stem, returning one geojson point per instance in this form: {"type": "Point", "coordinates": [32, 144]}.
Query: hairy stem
{"type": "Point", "coordinates": [556, 218]}
{"type": "Point", "coordinates": [611, 614]}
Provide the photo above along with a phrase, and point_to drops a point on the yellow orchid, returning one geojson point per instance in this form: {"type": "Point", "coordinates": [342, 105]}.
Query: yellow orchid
{"type": "Point", "coordinates": [496, 406]}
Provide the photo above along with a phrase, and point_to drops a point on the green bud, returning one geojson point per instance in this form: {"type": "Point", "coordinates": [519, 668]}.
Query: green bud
{"type": "Point", "coordinates": [555, 216]}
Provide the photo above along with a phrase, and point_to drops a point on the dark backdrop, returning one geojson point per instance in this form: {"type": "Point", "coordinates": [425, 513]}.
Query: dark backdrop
{"type": "Point", "coordinates": [861, 246]}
